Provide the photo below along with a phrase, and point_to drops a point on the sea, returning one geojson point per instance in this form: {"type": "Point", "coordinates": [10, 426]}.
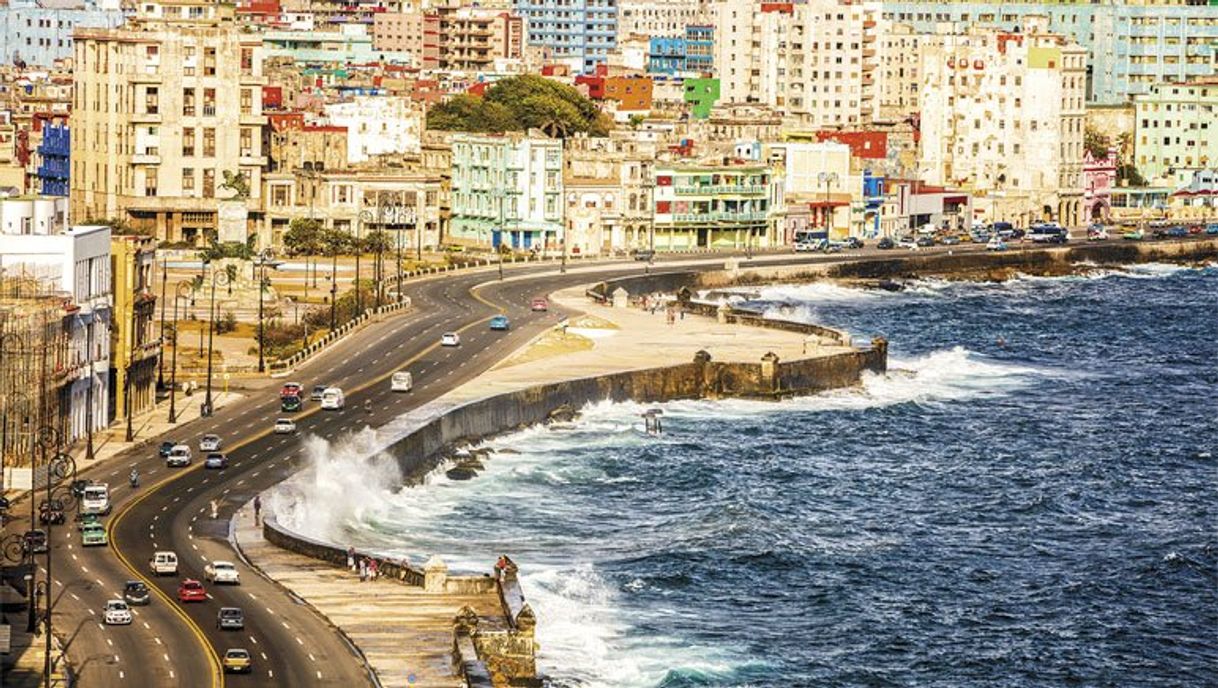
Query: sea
{"type": "Point", "coordinates": [1028, 497]}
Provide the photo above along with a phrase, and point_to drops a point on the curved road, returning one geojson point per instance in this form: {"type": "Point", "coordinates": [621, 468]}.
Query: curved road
{"type": "Point", "coordinates": [172, 644]}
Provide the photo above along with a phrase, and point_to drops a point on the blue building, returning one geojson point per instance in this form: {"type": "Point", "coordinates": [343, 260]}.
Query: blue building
{"type": "Point", "coordinates": [55, 152]}
{"type": "Point", "coordinates": [693, 52]}
{"type": "Point", "coordinates": [873, 203]}
{"type": "Point", "coordinates": [38, 32]}
{"type": "Point", "coordinates": [1129, 47]}
{"type": "Point", "coordinates": [577, 32]}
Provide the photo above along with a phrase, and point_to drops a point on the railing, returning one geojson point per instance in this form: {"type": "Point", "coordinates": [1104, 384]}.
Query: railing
{"type": "Point", "coordinates": [710, 189]}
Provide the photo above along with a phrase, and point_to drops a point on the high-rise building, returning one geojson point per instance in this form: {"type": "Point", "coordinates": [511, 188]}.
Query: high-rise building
{"type": "Point", "coordinates": [579, 33]}
{"type": "Point", "coordinates": [166, 109]}
{"type": "Point", "coordinates": [38, 32]}
{"type": "Point", "coordinates": [1002, 115]}
{"type": "Point", "coordinates": [1131, 45]}
{"type": "Point", "coordinates": [1176, 130]}
{"type": "Point", "coordinates": [657, 19]}
{"type": "Point", "coordinates": [507, 191]}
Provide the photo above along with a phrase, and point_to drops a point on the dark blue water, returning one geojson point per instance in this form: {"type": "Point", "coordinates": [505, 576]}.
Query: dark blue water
{"type": "Point", "coordinates": [1041, 512]}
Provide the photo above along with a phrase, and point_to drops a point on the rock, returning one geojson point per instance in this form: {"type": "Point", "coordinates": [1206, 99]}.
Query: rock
{"type": "Point", "coordinates": [472, 464]}
{"type": "Point", "coordinates": [461, 473]}
{"type": "Point", "coordinates": [563, 414]}
{"type": "Point", "coordinates": [508, 451]}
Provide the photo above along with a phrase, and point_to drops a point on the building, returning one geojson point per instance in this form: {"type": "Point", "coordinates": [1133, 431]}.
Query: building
{"type": "Point", "coordinates": [1099, 178]}
{"type": "Point", "coordinates": [1130, 45]}
{"type": "Point", "coordinates": [135, 345]}
{"type": "Point", "coordinates": [693, 52]}
{"type": "Point", "coordinates": [346, 44]}
{"type": "Point", "coordinates": [702, 206]}
{"type": "Point", "coordinates": [473, 39]}
{"type": "Point", "coordinates": [507, 191]}
{"type": "Point", "coordinates": [55, 154]}
{"type": "Point", "coordinates": [293, 145]}
{"type": "Point", "coordinates": [1176, 130]}
{"type": "Point", "coordinates": [188, 112]}
{"type": "Point", "coordinates": [815, 62]}
{"type": "Point", "coordinates": [653, 19]}
{"type": "Point", "coordinates": [578, 34]}
{"type": "Point", "coordinates": [819, 187]}
{"type": "Point", "coordinates": [701, 95]}
{"type": "Point", "coordinates": [61, 276]}
{"type": "Point", "coordinates": [378, 125]}
{"type": "Point", "coordinates": [39, 32]}
{"type": "Point", "coordinates": [1002, 116]}
{"type": "Point", "coordinates": [416, 33]}
{"type": "Point", "coordinates": [26, 215]}
{"type": "Point", "coordinates": [608, 183]}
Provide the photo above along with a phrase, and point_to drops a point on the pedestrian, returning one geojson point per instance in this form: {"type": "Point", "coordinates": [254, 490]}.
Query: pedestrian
{"type": "Point", "coordinates": [351, 559]}
{"type": "Point", "coordinates": [257, 509]}
{"type": "Point", "coordinates": [215, 509]}
{"type": "Point", "coordinates": [373, 570]}
{"type": "Point", "coordinates": [363, 570]}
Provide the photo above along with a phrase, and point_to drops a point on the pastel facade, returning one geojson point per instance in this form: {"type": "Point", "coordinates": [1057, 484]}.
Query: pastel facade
{"type": "Point", "coordinates": [1176, 130]}
{"type": "Point", "coordinates": [507, 191]}
{"type": "Point", "coordinates": [39, 32]}
{"type": "Point", "coordinates": [713, 207]}
{"type": "Point", "coordinates": [579, 34]}
{"type": "Point", "coordinates": [378, 125]}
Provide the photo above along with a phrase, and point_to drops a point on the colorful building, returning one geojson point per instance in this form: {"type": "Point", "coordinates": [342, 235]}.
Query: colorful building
{"type": "Point", "coordinates": [1176, 130]}
{"type": "Point", "coordinates": [692, 53]}
{"type": "Point", "coordinates": [701, 95]}
{"type": "Point", "coordinates": [38, 32]}
{"type": "Point", "coordinates": [579, 34]}
{"type": "Point", "coordinates": [1099, 176]}
{"type": "Point", "coordinates": [507, 191]}
{"type": "Point", "coordinates": [713, 207]}
{"type": "Point", "coordinates": [55, 152]}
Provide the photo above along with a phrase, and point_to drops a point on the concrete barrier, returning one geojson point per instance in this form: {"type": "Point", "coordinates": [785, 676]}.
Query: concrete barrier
{"type": "Point", "coordinates": [279, 536]}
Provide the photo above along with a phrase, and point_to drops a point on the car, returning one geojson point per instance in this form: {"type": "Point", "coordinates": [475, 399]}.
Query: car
{"type": "Point", "coordinates": [833, 246]}
{"type": "Point", "coordinates": [1177, 232]}
{"type": "Point", "coordinates": [216, 460]}
{"type": "Point", "coordinates": [83, 520]}
{"type": "Point", "coordinates": [95, 499]}
{"type": "Point", "coordinates": [1211, 229]}
{"type": "Point", "coordinates": [950, 240]}
{"type": "Point", "coordinates": [1135, 235]}
{"type": "Point", "coordinates": [34, 541]}
{"type": "Point", "coordinates": [1018, 233]}
{"type": "Point", "coordinates": [401, 381]}
{"type": "Point", "coordinates": [163, 563]}
{"type": "Point", "coordinates": [804, 246]}
{"type": "Point", "coordinates": [218, 572]}
{"type": "Point", "coordinates": [906, 243]}
{"type": "Point", "coordinates": [230, 619]}
{"type": "Point", "coordinates": [1048, 233]}
{"type": "Point", "coordinates": [93, 535]}
{"type": "Point", "coordinates": [996, 244]}
{"type": "Point", "coordinates": [290, 404]}
{"type": "Point", "coordinates": [643, 254]}
{"type": "Point", "coordinates": [318, 391]}
{"type": "Point", "coordinates": [885, 243]}
{"type": "Point", "coordinates": [925, 242]}
{"type": "Point", "coordinates": [117, 613]}
{"type": "Point", "coordinates": [50, 515]}
{"type": "Point", "coordinates": [1097, 233]}
{"type": "Point", "coordinates": [333, 399]}
{"type": "Point", "coordinates": [178, 456]}
{"type": "Point", "coordinates": [1003, 229]}
{"type": "Point", "coordinates": [209, 443]}
{"type": "Point", "coordinates": [539, 305]}
{"type": "Point", "coordinates": [166, 447]}
{"type": "Point", "coordinates": [500, 322]}
{"type": "Point", "coordinates": [450, 339]}
{"type": "Point", "coordinates": [191, 590]}
{"type": "Point", "coordinates": [237, 660]}
{"type": "Point", "coordinates": [136, 593]}
{"type": "Point", "coordinates": [290, 389]}
{"type": "Point", "coordinates": [285, 426]}
{"type": "Point", "coordinates": [854, 242]}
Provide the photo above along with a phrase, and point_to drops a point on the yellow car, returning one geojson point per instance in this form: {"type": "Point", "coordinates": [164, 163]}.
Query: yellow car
{"type": "Point", "coordinates": [237, 660]}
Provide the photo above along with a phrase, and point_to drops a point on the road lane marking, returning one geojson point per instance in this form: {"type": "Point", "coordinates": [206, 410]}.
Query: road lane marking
{"type": "Point", "coordinates": [319, 674]}
{"type": "Point", "coordinates": [84, 568]}
{"type": "Point", "coordinates": [165, 655]}
{"type": "Point", "coordinates": [263, 655]}
{"type": "Point", "coordinates": [158, 640]}
{"type": "Point", "coordinates": [146, 625]}
{"type": "Point", "coordinates": [312, 658]}
{"type": "Point", "coordinates": [298, 640]}
{"type": "Point", "coordinates": [75, 596]}
{"type": "Point", "coordinates": [109, 642]}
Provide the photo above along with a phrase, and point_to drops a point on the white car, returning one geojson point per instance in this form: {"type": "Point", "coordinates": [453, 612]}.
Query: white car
{"type": "Point", "coordinates": [222, 572]}
{"type": "Point", "coordinates": [209, 443]}
{"type": "Point", "coordinates": [450, 339]}
{"type": "Point", "coordinates": [117, 613]}
{"type": "Point", "coordinates": [285, 426]}
{"type": "Point", "coordinates": [333, 399]}
{"type": "Point", "coordinates": [178, 456]}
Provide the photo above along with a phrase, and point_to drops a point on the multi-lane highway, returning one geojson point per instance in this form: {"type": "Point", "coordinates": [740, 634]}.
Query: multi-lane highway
{"type": "Point", "coordinates": [173, 644]}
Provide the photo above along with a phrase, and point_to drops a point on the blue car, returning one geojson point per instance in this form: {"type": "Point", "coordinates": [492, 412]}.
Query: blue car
{"type": "Point", "coordinates": [1212, 229]}
{"type": "Point", "coordinates": [216, 460]}
{"type": "Point", "coordinates": [500, 322]}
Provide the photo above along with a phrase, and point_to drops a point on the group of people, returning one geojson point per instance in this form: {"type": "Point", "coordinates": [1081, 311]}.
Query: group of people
{"type": "Point", "coordinates": [369, 569]}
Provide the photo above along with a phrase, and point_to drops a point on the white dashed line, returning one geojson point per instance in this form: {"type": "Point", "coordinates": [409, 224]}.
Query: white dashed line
{"type": "Point", "coordinates": [158, 640]}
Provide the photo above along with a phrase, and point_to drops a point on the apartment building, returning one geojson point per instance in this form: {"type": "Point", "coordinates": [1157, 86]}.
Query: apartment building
{"type": "Point", "coordinates": [413, 32]}
{"type": "Point", "coordinates": [578, 34]}
{"type": "Point", "coordinates": [164, 107]}
{"type": "Point", "coordinates": [378, 125]}
{"type": "Point", "coordinates": [1176, 130]}
{"type": "Point", "coordinates": [1130, 45]}
{"type": "Point", "coordinates": [39, 32]}
{"type": "Point", "coordinates": [666, 19]}
{"type": "Point", "coordinates": [135, 344]}
{"type": "Point", "coordinates": [815, 62]}
{"type": "Point", "coordinates": [507, 190]}
{"type": "Point", "coordinates": [708, 206]}
{"type": "Point", "coordinates": [693, 52]}
{"type": "Point", "coordinates": [1002, 115]}
{"type": "Point", "coordinates": [608, 182]}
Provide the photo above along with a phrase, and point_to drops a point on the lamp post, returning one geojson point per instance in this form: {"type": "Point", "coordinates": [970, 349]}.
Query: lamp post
{"type": "Point", "coordinates": [221, 277]}
{"type": "Point", "coordinates": [364, 216]}
{"type": "Point", "coordinates": [184, 290]}
{"type": "Point", "coordinates": [334, 284]}
{"type": "Point", "coordinates": [266, 255]}
{"type": "Point", "coordinates": [160, 373]}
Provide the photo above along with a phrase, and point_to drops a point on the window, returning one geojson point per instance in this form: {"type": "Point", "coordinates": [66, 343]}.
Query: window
{"type": "Point", "coordinates": [188, 179]}
{"type": "Point", "coordinates": [209, 102]}
{"type": "Point", "coordinates": [247, 60]}
{"type": "Point", "coordinates": [247, 142]}
{"type": "Point", "coordinates": [247, 98]}
{"type": "Point", "coordinates": [209, 143]}
{"type": "Point", "coordinates": [209, 62]}
{"type": "Point", "coordinates": [209, 183]}
{"type": "Point", "coordinates": [279, 195]}
{"type": "Point", "coordinates": [188, 102]}
{"type": "Point", "coordinates": [151, 100]}
{"type": "Point", "coordinates": [150, 183]}
{"type": "Point", "coordinates": [188, 141]}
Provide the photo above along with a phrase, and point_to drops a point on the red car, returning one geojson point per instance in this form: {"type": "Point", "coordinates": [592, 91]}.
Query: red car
{"type": "Point", "coordinates": [191, 590]}
{"type": "Point", "coordinates": [540, 304]}
{"type": "Point", "coordinates": [290, 389]}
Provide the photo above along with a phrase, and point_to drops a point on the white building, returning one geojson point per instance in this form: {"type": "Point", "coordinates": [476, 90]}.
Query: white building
{"type": "Point", "coordinates": [33, 214]}
{"type": "Point", "coordinates": [507, 191]}
{"type": "Point", "coordinates": [1002, 116]}
{"type": "Point", "coordinates": [654, 19]}
{"type": "Point", "coordinates": [76, 263]}
{"type": "Point", "coordinates": [378, 125]}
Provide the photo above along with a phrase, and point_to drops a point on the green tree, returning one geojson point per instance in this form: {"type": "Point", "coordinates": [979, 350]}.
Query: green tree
{"type": "Point", "coordinates": [377, 241]}
{"type": "Point", "coordinates": [519, 103]}
{"type": "Point", "coordinates": [334, 242]}
{"type": "Point", "coordinates": [1096, 143]}
{"type": "Point", "coordinates": [304, 237]}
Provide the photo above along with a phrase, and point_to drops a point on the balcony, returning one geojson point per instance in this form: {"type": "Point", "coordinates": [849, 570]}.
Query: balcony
{"type": "Point", "coordinates": [740, 217]}
{"type": "Point", "coordinates": [717, 189]}
{"type": "Point", "coordinates": [145, 78]}
{"type": "Point", "coordinates": [209, 110]}
{"type": "Point", "coordinates": [146, 118]}
{"type": "Point", "coordinates": [146, 158]}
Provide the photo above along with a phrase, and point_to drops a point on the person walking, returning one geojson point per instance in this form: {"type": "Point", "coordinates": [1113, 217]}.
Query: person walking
{"type": "Point", "coordinates": [257, 509]}
{"type": "Point", "coordinates": [363, 570]}
{"type": "Point", "coordinates": [373, 570]}
{"type": "Point", "coordinates": [351, 559]}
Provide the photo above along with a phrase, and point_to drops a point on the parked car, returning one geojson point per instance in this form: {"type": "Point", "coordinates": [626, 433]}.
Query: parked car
{"type": "Point", "coordinates": [117, 613]}
{"type": "Point", "coordinates": [885, 243]}
{"type": "Point", "coordinates": [1097, 233]}
{"type": "Point", "coordinates": [191, 590]}
{"type": "Point", "coordinates": [83, 520]}
{"type": "Point", "coordinates": [1003, 229]}
{"type": "Point", "coordinates": [1212, 228]}
{"type": "Point", "coordinates": [216, 460]}
{"type": "Point", "coordinates": [318, 391]}
{"type": "Point", "coordinates": [34, 541]}
{"type": "Point", "coordinates": [996, 244]}
{"type": "Point", "coordinates": [1177, 232]}
{"type": "Point", "coordinates": [209, 443]}
{"type": "Point", "coordinates": [925, 242]}
{"type": "Point", "coordinates": [285, 426]}
{"type": "Point", "coordinates": [221, 572]}
{"type": "Point", "coordinates": [51, 514]}
{"type": "Point", "coordinates": [230, 619]}
{"type": "Point", "coordinates": [905, 242]}
{"type": "Point", "coordinates": [643, 254]}
{"type": "Point", "coordinates": [237, 660]}
{"type": "Point", "coordinates": [166, 447]}
{"type": "Point", "coordinates": [178, 456]}
{"type": "Point", "coordinates": [854, 242]}
{"type": "Point", "coordinates": [136, 593]}
{"type": "Point", "coordinates": [450, 339]}
{"type": "Point", "coordinates": [402, 381]}
{"type": "Point", "coordinates": [93, 535]}
{"type": "Point", "coordinates": [500, 322]}
{"type": "Point", "coordinates": [1134, 235]}
{"type": "Point", "coordinates": [804, 246]}
{"type": "Point", "coordinates": [290, 404]}
{"type": "Point", "coordinates": [539, 304]}
{"type": "Point", "coordinates": [950, 240]}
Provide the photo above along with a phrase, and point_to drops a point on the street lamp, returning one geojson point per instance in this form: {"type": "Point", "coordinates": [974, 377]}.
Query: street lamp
{"type": "Point", "coordinates": [364, 216]}
{"type": "Point", "coordinates": [160, 373]}
{"type": "Point", "coordinates": [221, 277]}
{"type": "Point", "coordinates": [184, 290]}
{"type": "Point", "coordinates": [266, 255]}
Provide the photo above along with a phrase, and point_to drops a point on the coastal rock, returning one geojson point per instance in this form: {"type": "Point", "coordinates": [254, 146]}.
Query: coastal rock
{"type": "Point", "coordinates": [461, 473]}
{"type": "Point", "coordinates": [563, 414]}
{"type": "Point", "coordinates": [508, 450]}
{"type": "Point", "coordinates": [471, 464]}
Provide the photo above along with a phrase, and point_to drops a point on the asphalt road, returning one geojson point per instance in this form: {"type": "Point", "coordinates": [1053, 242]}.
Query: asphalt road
{"type": "Point", "coordinates": [173, 644]}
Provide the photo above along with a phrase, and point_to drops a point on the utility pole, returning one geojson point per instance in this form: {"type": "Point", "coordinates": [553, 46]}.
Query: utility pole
{"type": "Point", "coordinates": [160, 374]}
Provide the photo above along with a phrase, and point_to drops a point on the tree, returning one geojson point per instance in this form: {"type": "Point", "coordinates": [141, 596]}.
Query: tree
{"type": "Point", "coordinates": [334, 242]}
{"type": "Point", "coordinates": [118, 226]}
{"type": "Point", "coordinates": [519, 103]}
{"type": "Point", "coordinates": [377, 241]}
{"type": "Point", "coordinates": [1096, 143]}
{"type": "Point", "coordinates": [228, 249]}
{"type": "Point", "coordinates": [304, 237]}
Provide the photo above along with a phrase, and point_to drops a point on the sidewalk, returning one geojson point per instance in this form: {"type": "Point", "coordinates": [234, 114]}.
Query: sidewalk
{"type": "Point", "coordinates": [406, 634]}
{"type": "Point", "coordinates": [23, 667]}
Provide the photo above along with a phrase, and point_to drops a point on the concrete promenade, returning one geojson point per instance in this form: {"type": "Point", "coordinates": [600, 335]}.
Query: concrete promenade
{"type": "Point", "coordinates": [406, 634]}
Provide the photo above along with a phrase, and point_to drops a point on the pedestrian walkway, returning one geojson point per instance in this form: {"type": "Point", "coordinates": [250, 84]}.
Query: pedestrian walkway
{"type": "Point", "coordinates": [23, 666]}
{"type": "Point", "coordinates": [405, 633]}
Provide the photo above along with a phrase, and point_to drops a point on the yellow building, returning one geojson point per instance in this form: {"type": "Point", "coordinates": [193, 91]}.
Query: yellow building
{"type": "Point", "coordinates": [135, 345]}
{"type": "Point", "coordinates": [164, 107]}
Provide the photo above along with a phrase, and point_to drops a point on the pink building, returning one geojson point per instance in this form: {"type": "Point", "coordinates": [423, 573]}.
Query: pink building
{"type": "Point", "coordinates": [1099, 176]}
